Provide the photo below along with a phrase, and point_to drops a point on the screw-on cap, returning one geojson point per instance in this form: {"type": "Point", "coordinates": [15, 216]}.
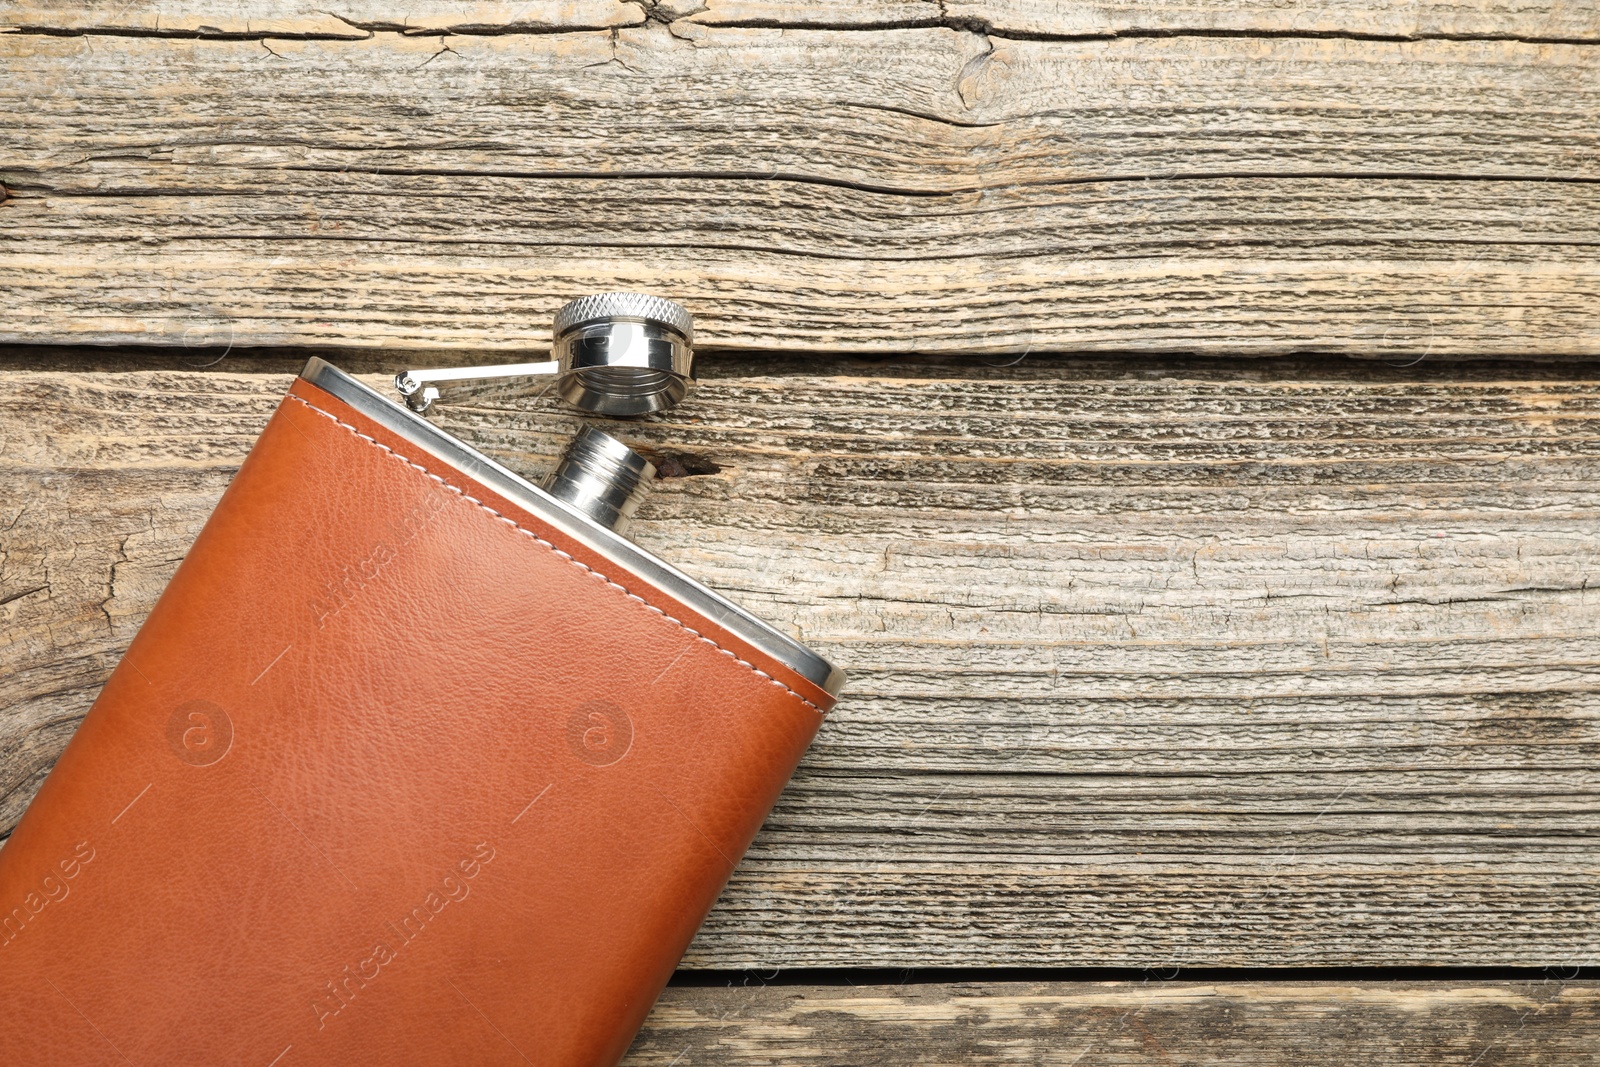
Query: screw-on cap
{"type": "Point", "coordinates": [623, 354]}
{"type": "Point", "coordinates": [625, 306]}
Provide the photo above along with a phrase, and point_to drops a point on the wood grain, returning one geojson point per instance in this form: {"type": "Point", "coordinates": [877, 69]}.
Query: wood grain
{"type": "Point", "coordinates": [1170, 664]}
{"type": "Point", "coordinates": [873, 190]}
{"type": "Point", "coordinates": [289, 19]}
{"type": "Point", "coordinates": [1525, 19]}
{"type": "Point", "coordinates": [1528, 20]}
{"type": "Point", "coordinates": [1237, 1024]}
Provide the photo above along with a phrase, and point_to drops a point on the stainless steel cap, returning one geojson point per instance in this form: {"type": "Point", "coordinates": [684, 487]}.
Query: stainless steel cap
{"type": "Point", "coordinates": [623, 354]}
{"type": "Point", "coordinates": [642, 306]}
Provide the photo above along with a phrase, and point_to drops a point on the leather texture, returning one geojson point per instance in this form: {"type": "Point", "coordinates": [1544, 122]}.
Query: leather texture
{"type": "Point", "coordinates": [391, 775]}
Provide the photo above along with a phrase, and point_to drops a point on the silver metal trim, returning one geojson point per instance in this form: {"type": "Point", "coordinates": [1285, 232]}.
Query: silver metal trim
{"type": "Point", "coordinates": [574, 524]}
{"type": "Point", "coordinates": [419, 391]}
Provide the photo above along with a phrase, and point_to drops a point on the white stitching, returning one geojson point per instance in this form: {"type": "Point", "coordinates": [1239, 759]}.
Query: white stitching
{"type": "Point", "coordinates": [563, 555]}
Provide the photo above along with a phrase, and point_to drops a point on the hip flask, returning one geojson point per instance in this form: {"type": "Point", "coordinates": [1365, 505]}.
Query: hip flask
{"type": "Point", "coordinates": [414, 761]}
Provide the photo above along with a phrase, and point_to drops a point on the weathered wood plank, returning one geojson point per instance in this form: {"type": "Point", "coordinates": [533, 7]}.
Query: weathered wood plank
{"type": "Point", "coordinates": [300, 18]}
{"type": "Point", "coordinates": [928, 189]}
{"type": "Point", "coordinates": [1151, 664]}
{"type": "Point", "coordinates": [1525, 19]}
{"type": "Point", "coordinates": [1532, 20]}
{"type": "Point", "coordinates": [1230, 1024]}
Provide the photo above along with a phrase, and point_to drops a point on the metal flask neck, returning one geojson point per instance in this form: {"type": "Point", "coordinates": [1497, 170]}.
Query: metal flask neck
{"type": "Point", "coordinates": [600, 477]}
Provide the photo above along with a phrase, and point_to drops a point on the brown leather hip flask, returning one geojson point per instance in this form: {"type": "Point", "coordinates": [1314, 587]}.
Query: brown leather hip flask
{"type": "Point", "coordinates": [414, 762]}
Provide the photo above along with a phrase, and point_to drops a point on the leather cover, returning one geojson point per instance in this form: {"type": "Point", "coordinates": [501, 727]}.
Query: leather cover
{"type": "Point", "coordinates": [392, 774]}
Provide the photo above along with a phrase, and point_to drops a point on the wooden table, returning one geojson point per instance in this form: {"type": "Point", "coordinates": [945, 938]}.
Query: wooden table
{"type": "Point", "coordinates": [1242, 674]}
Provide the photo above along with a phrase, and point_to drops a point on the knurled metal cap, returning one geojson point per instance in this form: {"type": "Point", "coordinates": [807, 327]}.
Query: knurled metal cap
{"type": "Point", "coordinates": [654, 309]}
